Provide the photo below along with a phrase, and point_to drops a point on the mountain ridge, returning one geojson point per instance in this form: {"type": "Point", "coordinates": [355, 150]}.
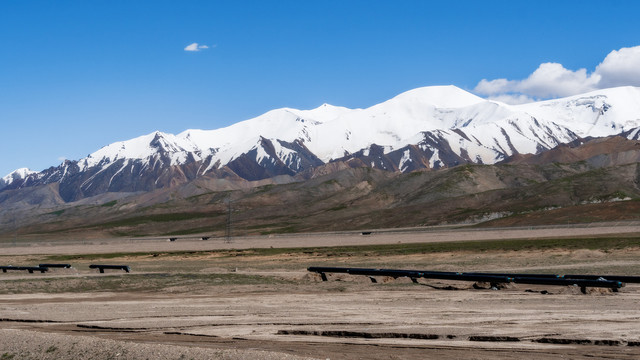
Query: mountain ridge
{"type": "Point", "coordinates": [425, 128]}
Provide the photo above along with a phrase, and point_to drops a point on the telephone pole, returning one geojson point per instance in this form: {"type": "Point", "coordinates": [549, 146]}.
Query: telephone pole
{"type": "Point", "coordinates": [228, 229]}
{"type": "Point", "coordinates": [15, 239]}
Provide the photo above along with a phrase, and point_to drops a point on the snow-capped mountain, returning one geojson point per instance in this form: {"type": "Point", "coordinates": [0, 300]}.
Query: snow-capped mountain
{"type": "Point", "coordinates": [16, 177]}
{"type": "Point", "coordinates": [430, 127]}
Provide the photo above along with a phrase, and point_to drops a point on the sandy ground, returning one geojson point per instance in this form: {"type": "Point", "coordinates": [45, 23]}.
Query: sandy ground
{"type": "Point", "coordinates": [360, 322]}
{"type": "Point", "coordinates": [346, 317]}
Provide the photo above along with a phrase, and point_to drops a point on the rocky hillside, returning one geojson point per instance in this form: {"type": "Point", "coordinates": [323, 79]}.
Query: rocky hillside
{"type": "Point", "coordinates": [591, 185]}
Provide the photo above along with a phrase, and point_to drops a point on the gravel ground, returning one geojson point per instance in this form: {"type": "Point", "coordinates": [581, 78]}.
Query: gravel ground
{"type": "Point", "coordinates": [289, 313]}
{"type": "Point", "coordinates": [427, 235]}
{"type": "Point", "coordinates": [23, 344]}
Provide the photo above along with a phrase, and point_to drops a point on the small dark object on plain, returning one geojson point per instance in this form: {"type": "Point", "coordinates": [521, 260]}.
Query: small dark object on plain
{"type": "Point", "coordinates": [205, 238]}
{"type": "Point", "coordinates": [64, 266]}
{"type": "Point", "coordinates": [173, 239]}
{"type": "Point", "coordinates": [115, 267]}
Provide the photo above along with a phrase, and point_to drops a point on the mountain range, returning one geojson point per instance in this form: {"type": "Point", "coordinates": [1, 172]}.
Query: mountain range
{"type": "Point", "coordinates": [430, 128]}
{"type": "Point", "coordinates": [425, 128]}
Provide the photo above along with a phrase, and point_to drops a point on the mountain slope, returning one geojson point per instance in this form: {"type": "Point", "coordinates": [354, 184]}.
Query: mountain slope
{"type": "Point", "coordinates": [15, 177]}
{"type": "Point", "coordinates": [354, 198]}
{"type": "Point", "coordinates": [599, 152]}
{"type": "Point", "coordinates": [426, 128]}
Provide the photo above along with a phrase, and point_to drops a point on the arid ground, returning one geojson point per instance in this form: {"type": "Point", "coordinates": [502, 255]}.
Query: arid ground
{"type": "Point", "coordinates": [252, 298]}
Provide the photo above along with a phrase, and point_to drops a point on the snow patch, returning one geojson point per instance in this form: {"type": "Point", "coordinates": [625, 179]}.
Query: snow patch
{"type": "Point", "coordinates": [17, 175]}
{"type": "Point", "coordinates": [406, 158]}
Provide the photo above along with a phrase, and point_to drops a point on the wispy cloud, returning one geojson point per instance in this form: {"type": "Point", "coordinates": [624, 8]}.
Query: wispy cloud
{"type": "Point", "coordinates": [195, 47]}
{"type": "Point", "coordinates": [549, 80]}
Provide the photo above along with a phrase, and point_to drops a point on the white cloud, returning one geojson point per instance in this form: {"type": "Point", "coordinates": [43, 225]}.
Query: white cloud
{"type": "Point", "coordinates": [552, 79]}
{"type": "Point", "coordinates": [621, 67]}
{"type": "Point", "coordinates": [497, 86]}
{"type": "Point", "coordinates": [549, 80]}
{"type": "Point", "coordinates": [195, 47]}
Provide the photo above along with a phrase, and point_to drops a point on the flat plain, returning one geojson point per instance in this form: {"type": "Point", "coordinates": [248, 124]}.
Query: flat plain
{"type": "Point", "coordinates": [252, 297]}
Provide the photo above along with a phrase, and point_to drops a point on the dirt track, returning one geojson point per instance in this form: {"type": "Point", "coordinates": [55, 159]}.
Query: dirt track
{"type": "Point", "coordinates": [299, 316]}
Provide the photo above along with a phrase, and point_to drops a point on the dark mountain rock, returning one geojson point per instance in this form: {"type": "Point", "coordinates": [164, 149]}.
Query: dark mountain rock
{"type": "Point", "coordinates": [598, 152]}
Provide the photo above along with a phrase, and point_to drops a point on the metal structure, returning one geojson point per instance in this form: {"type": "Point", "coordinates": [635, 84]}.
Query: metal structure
{"type": "Point", "coordinates": [227, 238]}
{"type": "Point", "coordinates": [115, 267]}
{"type": "Point", "coordinates": [30, 269]}
{"type": "Point", "coordinates": [613, 282]}
{"type": "Point", "coordinates": [63, 266]}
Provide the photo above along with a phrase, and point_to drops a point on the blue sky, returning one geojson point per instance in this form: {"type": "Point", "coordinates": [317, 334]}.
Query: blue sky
{"type": "Point", "coordinates": [78, 75]}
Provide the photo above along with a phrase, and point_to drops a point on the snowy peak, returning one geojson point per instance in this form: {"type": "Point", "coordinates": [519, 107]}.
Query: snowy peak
{"type": "Point", "coordinates": [439, 96]}
{"type": "Point", "coordinates": [143, 147]}
{"type": "Point", "coordinates": [324, 113]}
{"type": "Point", "coordinates": [15, 176]}
{"type": "Point", "coordinates": [597, 113]}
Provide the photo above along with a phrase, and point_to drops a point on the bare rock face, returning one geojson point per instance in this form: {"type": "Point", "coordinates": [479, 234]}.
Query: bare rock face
{"type": "Point", "coordinates": [598, 152]}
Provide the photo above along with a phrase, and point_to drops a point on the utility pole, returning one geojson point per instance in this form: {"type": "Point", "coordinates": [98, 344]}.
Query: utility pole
{"type": "Point", "coordinates": [228, 232]}
{"type": "Point", "coordinates": [15, 239]}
